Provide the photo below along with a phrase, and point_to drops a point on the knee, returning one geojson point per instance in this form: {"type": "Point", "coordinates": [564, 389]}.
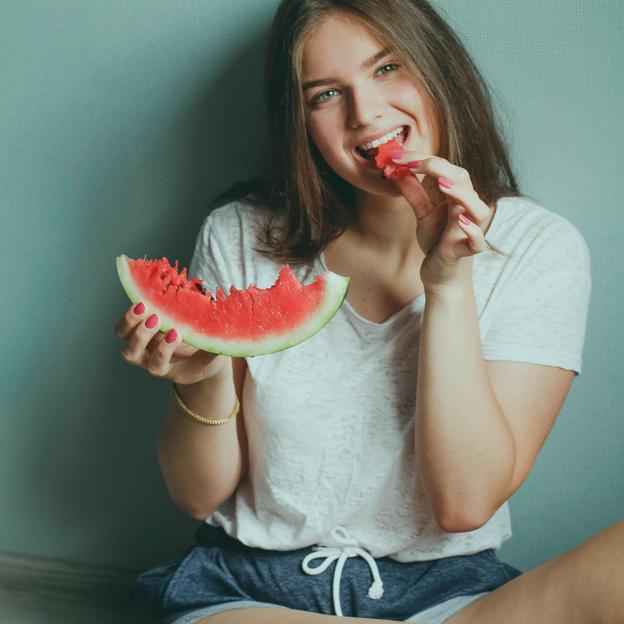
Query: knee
{"type": "Point", "coordinates": [596, 572]}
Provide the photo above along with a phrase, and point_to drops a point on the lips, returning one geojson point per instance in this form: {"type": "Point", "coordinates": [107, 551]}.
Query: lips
{"type": "Point", "coordinates": [363, 155]}
{"type": "Point", "coordinates": [368, 158]}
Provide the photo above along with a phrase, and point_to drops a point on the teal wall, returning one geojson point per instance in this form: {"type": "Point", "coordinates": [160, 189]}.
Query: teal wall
{"type": "Point", "coordinates": [120, 120]}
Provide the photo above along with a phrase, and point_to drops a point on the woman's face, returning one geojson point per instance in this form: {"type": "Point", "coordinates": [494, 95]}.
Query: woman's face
{"type": "Point", "coordinates": [358, 103]}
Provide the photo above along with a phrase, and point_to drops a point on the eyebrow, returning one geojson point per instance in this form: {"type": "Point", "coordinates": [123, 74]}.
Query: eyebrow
{"type": "Point", "coordinates": [365, 65]}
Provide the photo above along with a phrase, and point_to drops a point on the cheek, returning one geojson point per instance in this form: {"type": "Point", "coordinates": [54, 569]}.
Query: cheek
{"type": "Point", "coordinates": [325, 136]}
{"type": "Point", "coordinates": [429, 121]}
{"type": "Point", "coordinates": [315, 133]}
{"type": "Point", "coordinates": [322, 130]}
{"type": "Point", "coordinates": [415, 99]}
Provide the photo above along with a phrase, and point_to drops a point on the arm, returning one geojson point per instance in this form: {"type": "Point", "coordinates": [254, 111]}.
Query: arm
{"type": "Point", "coordinates": [202, 465]}
{"type": "Point", "coordinates": [479, 425]}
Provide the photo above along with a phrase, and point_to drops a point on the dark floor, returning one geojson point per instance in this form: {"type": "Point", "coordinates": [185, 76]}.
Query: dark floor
{"type": "Point", "coordinates": [44, 591]}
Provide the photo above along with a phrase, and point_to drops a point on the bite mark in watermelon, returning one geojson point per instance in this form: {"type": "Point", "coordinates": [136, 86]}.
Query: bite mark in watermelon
{"type": "Point", "coordinates": [390, 170]}
{"type": "Point", "coordinates": [245, 323]}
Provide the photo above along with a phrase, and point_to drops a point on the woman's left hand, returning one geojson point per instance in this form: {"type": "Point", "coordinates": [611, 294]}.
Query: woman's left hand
{"type": "Point", "coordinates": [444, 195]}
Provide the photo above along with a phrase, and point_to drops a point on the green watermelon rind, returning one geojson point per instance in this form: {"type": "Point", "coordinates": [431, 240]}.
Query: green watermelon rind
{"type": "Point", "coordinates": [335, 294]}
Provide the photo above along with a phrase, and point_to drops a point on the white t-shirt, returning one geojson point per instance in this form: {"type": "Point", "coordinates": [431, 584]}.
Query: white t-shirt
{"type": "Point", "coordinates": [330, 421]}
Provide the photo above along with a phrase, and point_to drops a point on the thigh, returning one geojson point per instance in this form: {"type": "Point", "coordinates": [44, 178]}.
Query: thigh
{"type": "Point", "coordinates": [283, 616]}
{"type": "Point", "coordinates": [580, 586]}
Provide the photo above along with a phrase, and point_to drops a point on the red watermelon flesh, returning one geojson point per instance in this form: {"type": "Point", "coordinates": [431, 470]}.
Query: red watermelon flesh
{"type": "Point", "coordinates": [246, 322]}
{"type": "Point", "coordinates": [383, 160]}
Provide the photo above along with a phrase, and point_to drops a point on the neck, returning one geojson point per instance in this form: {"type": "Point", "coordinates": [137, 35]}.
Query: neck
{"type": "Point", "coordinates": [385, 225]}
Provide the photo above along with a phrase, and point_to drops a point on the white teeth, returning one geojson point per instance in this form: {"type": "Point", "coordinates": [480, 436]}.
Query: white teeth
{"type": "Point", "coordinates": [383, 139]}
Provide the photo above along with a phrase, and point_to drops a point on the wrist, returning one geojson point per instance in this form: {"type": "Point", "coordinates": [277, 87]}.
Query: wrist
{"type": "Point", "coordinates": [220, 366]}
{"type": "Point", "coordinates": [206, 400]}
{"type": "Point", "coordinates": [219, 376]}
{"type": "Point", "coordinates": [213, 399]}
{"type": "Point", "coordinates": [456, 288]}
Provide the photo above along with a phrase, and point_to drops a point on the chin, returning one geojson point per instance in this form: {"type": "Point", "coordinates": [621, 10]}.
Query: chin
{"type": "Point", "coordinates": [384, 188]}
{"type": "Point", "coordinates": [371, 185]}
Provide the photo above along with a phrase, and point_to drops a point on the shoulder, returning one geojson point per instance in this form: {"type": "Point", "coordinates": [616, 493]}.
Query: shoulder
{"type": "Point", "coordinates": [235, 218]}
{"type": "Point", "coordinates": [534, 303]}
{"type": "Point", "coordinates": [231, 238]}
{"type": "Point", "coordinates": [525, 229]}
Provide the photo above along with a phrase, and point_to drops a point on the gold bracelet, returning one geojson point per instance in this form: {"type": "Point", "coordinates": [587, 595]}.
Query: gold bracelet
{"type": "Point", "coordinates": [201, 419]}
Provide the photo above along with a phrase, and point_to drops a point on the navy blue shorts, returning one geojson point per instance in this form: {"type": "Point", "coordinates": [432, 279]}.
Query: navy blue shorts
{"type": "Point", "coordinates": [220, 573]}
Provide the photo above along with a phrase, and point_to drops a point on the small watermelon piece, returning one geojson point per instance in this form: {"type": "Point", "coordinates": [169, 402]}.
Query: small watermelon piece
{"type": "Point", "coordinates": [391, 170]}
{"type": "Point", "coordinates": [245, 323]}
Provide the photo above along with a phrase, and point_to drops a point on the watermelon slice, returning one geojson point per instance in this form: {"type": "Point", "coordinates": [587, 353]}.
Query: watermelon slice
{"type": "Point", "coordinates": [244, 323]}
{"type": "Point", "coordinates": [391, 170]}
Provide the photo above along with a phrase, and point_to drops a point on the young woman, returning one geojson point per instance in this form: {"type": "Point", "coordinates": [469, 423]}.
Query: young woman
{"type": "Point", "coordinates": [390, 441]}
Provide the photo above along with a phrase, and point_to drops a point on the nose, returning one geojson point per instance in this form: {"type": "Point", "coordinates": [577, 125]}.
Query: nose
{"type": "Point", "coordinates": [364, 105]}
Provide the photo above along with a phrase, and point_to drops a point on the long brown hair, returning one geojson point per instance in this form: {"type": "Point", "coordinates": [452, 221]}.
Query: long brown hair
{"type": "Point", "coordinates": [310, 204]}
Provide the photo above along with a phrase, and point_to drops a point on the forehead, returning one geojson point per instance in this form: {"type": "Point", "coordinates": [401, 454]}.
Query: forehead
{"type": "Point", "coordinates": [339, 41]}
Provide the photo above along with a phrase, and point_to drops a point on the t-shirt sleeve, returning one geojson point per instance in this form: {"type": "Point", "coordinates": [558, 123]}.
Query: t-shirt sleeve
{"type": "Point", "coordinates": [543, 302]}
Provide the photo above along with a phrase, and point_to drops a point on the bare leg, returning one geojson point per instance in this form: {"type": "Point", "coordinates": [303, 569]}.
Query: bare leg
{"type": "Point", "coordinates": [582, 586]}
{"type": "Point", "coordinates": [271, 615]}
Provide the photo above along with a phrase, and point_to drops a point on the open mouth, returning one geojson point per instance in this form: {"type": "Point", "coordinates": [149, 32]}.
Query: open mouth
{"type": "Point", "coordinates": [371, 153]}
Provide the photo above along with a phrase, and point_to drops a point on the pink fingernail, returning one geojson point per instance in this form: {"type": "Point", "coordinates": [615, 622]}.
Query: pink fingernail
{"type": "Point", "coordinates": [171, 336]}
{"type": "Point", "coordinates": [396, 155]}
{"type": "Point", "coordinates": [413, 164]}
{"type": "Point", "coordinates": [445, 183]}
{"type": "Point", "coordinates": [151, 321]}
{"type": "Point", "coordinates": [464, 220]}
{"type": "Point", "coordinates": [139, 308]}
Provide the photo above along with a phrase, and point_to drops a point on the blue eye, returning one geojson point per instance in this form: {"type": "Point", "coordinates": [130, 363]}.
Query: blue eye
{"type": "Point", "coordinates": [394, 65]}
{"type": "Point", "coordinates": [320, 98]}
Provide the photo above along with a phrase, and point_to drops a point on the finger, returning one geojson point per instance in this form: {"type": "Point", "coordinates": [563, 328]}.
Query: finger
{"type": "Point", "coordinates": [436, 166]}
{"type": "Point", "coordinates": [476, 239]}
{"type": "Point", "coordinates": [203, 359]}
{"type": "Point", "coordinates": [412, 159]}
{"type": "Point", "coordinates": [182, 351]}
{"type": "Point", "coordinates": [422, 198]}
{"type": "Point", "coordinates": [152, 345]}
{"type": "Point", "coordinates": [455, 242]}
{"type": "Point", "coordinates": [133, 316]}
{"type": "Point", "coordinates": [159, 362]}
{"type": "Point", "coordinates": [451, 180]}
{"type": "Point", "coordinates": [135, 350]}
{"type": "Point", "coordinates": [466, 197]}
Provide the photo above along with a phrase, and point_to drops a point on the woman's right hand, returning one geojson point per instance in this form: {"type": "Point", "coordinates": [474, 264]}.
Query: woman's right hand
{"type": "Point", "coordinates": [148, 348]}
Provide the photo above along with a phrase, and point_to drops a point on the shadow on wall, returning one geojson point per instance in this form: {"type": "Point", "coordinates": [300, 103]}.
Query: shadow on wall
{"type": "Point", "coordinates": [94, 480]}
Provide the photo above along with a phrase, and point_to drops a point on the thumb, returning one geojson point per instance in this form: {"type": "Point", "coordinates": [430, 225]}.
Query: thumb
{"type": "Point", "coordinates": [203, 358]}
{"type": "Point", "coordinates": [421, 196]}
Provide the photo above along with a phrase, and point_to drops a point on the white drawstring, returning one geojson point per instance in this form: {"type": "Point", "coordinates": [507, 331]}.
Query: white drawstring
{"type": "Point", "coordinates": [348, 549]}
